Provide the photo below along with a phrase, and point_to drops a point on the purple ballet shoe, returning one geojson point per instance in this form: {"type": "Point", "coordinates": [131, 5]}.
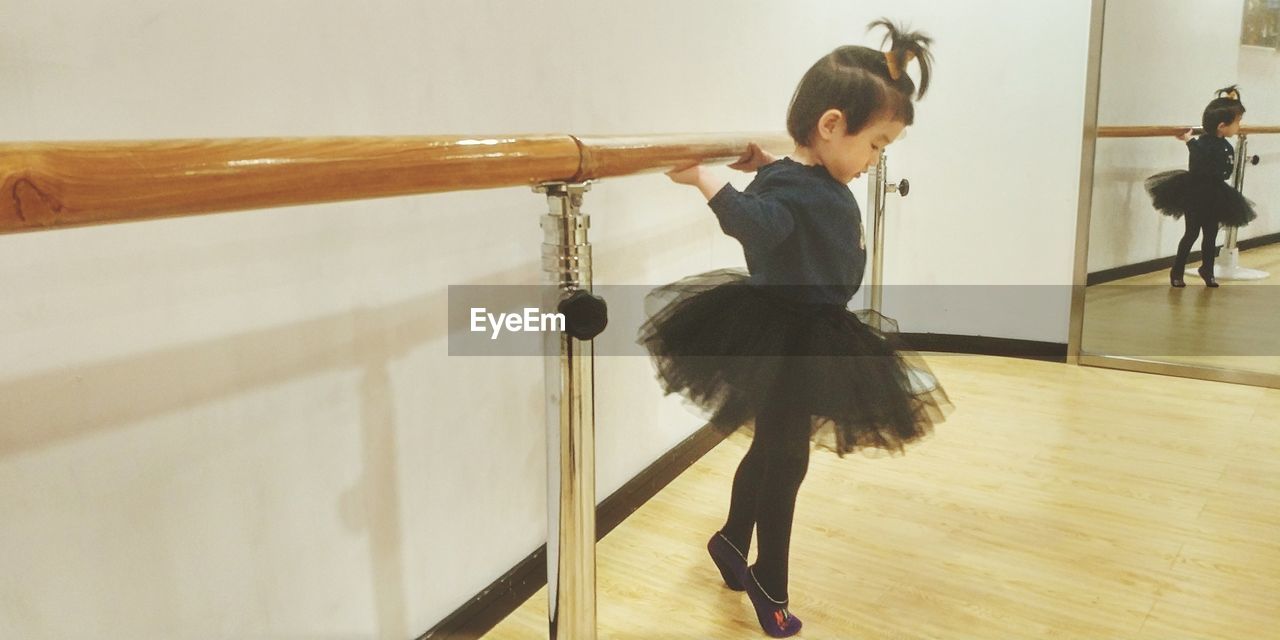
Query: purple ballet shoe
{"type": "Point", "coordinates": [774, 617]}
{"type": "Point", "coordinates": [731, 563]}
{"type": "Point", "coordinates": [1207, 276]}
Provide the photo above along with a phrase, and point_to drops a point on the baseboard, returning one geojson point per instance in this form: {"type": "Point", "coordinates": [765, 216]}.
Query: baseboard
{"type": "Point", "coordinates": [987, 346]}
{"type": "Point", "coordinates": [1161, 264]}
{"type": "Point", "coordinates": [506, 594]}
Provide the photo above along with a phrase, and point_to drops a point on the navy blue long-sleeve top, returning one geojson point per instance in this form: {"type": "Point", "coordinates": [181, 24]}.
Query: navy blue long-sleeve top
{"type": "Point", "coordinates": [797, 226]}
{"type": "Point", "coordinates": [1211, 156]}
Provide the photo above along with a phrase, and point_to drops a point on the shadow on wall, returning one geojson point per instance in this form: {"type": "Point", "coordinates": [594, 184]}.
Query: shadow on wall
{"type": "Point", "coordinates": [56, 406]}
{"type": "Point", "coordinates": [48, 407]}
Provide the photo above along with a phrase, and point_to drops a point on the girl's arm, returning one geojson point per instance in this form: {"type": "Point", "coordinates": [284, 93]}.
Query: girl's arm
{"type": "Point", "coordinates": [761, 221]}
{"type": "Point", "coordinates": [700, 177]}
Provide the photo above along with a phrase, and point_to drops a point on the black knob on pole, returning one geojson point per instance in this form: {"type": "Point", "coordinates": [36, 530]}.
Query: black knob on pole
{"type": "Point", "coordinates": [585, 315]}
{"type": "Point", "coordinates": [904, 187]}
{"type": "Point", "coordinates": [1254, 160]}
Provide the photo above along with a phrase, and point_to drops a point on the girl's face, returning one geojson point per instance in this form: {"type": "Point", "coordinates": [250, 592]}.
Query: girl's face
{"type": "Point", "coordinates": [847, 156]}
{"type": "Point", "coordinates": [1228, 130]}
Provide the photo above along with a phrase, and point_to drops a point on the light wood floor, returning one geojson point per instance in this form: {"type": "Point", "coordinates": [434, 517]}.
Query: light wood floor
{"type": "Point", "coordinates": [1056, 502]}
{"type": "Point", "coordinates": [1236, 326]}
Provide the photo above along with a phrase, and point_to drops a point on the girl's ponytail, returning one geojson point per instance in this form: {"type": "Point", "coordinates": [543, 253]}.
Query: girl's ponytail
{"type": "Point", "coordinates": [905, 46]}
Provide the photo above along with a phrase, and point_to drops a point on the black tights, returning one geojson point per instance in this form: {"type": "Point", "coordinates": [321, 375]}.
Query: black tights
{"type": "Point", "coordinates": [1209, 247]}
{"type": "Point", "coordinates": [764, 493]}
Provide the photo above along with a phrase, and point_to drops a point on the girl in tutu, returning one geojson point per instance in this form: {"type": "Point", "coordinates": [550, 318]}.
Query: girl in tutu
{"type": "Point", "coordinates": [777, 345]}
{"type": "Point", "coordinates": [1200, 196]}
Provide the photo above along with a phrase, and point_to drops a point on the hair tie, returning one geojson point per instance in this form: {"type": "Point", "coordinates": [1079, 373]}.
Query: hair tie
{"type": "Point", "coordinates": [895, 71]}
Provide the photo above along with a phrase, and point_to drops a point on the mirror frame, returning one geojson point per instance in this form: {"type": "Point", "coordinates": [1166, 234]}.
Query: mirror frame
{"type": "Point", "coordinates": [1075, 352]}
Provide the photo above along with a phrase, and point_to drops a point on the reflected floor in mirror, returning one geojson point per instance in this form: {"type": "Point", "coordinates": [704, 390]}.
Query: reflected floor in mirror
{"type": "Point", "coordinates": [1056, 502]}
{"type": "Point", "coordinates": [1236, 326]}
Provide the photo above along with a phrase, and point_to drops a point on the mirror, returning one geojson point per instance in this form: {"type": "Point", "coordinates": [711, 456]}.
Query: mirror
{"type": "Point", "coordinates": [1130, 314]}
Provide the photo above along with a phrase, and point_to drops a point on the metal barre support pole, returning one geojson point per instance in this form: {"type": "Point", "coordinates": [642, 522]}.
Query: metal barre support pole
{"type": "Point", "coordinates": [877, 187]}
{"type": "Point", "coordinates": [570, 422]}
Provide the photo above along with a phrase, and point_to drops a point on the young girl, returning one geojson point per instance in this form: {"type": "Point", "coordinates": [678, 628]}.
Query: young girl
{"type": "Point", "coordinates": [1199, 195]}
{"type": "Point", "coordinates": [778, 345]}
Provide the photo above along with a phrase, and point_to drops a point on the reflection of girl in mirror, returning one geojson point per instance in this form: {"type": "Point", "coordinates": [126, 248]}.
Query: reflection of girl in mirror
{"type": "Point", "coordinates": [1200, 196]}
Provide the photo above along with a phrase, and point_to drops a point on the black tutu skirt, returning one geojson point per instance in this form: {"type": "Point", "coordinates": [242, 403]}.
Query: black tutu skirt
{"type": "Point", "coordinates": [1199, 198]}
{"type": "Point", "coordinates": [732, 348]}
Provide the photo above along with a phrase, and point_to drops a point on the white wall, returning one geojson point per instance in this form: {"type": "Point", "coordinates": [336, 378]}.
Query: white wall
{"type": "Point", "coordinates": [247, 425]}
{"type": "Point", "coordinates": [1162, 60]}
{"type": "Point", "coordinates": [985, 239]}
{"type": "Point", "coordinates": [1260, 76]}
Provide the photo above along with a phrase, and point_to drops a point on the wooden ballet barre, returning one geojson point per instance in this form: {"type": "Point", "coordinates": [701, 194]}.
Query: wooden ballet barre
{"type": "Point", "coordinates": [613, 156]}
{"type": "Point", "coordinates": [49, 185]}
{"type": "Point", "coordinates": [63, 184]}
{"type": "Point", "coordinates": [1161, 131]}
